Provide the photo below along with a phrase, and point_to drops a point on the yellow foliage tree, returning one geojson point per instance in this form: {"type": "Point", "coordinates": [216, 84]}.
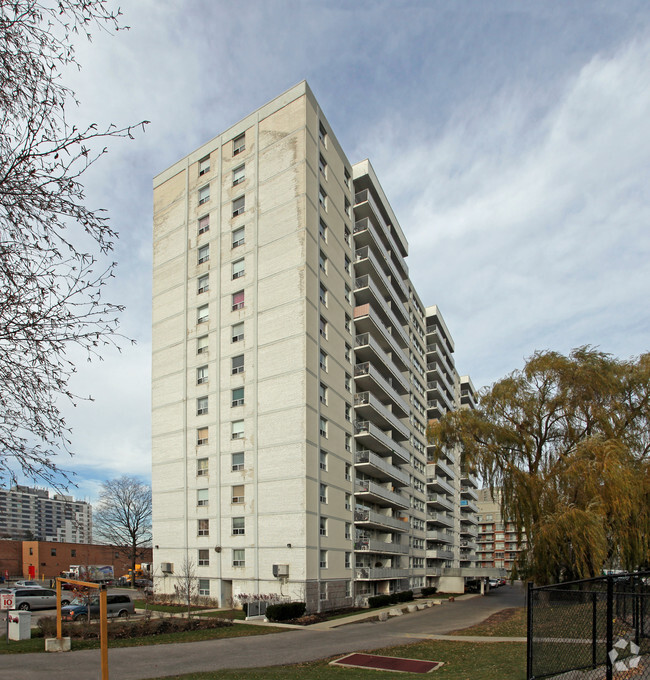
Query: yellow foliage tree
{"type": "Point", "coordinates": [567, 441]}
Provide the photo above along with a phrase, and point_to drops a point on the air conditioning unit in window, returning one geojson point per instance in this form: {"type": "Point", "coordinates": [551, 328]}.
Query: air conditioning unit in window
{"type": "Point", "coordinates": [281, 570]}
{"type": "Point", "coordinates": [167, 567]}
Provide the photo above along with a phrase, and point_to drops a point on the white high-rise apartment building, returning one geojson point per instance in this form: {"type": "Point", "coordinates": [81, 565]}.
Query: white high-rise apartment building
{"type": "Point", "coordinates": [294, 370]}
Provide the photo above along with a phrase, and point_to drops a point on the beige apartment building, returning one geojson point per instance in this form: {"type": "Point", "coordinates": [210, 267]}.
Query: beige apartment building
{"type": "Point", "coordinates": [294, 371]}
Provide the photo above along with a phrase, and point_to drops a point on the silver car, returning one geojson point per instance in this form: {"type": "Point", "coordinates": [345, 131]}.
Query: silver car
{"type": "Point", "coordinates": [37, 598]}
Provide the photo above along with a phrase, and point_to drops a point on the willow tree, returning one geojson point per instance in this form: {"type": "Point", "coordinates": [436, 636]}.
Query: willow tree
{"type": "Point", "coordinates": [566, 440]}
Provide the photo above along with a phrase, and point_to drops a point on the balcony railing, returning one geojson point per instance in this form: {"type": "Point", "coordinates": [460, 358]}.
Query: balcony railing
{"type": "Point", "coordinates": [440, 518]}
{"type": "Point", "coordinates": [441, 536]}
{"type": "Point", "coordinates": [366, 428]}
{"type": "Point", "coordinates": [368, 399]}
{"type": "Point", "coordinates": [371, 458]}
{"type": "Point", "coordinates": [373, 517]}
{"type": "Point", "coordinates": [440, 483]}
{"type": "Point", "coordinates": [366, 339]}
{"type": "Point", "coordinates": [468, 506]}
{"type": "Point", "coordinates": [439, 500]}
{"type": "Point", "coordinates": [440, 554]}
{"type": "Point", "coordinates": [392, 497]}
{"type": "Point", "coordinates": [367, 310]}
{"type": "Point", "coordinates": [368, 545]}
{"type": "Point", "coordinates": [369, 369]}
{"type": "Point", "coordinates": [368, 573]}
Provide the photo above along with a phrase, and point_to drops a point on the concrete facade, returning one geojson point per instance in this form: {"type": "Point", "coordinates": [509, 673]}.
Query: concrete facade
{"type": "Point", "coordinates": [30, 513]}
{"type": "Point", "coordinates": [289, 381]}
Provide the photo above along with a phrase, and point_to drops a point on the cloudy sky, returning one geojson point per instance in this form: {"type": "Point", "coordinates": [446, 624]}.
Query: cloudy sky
{"type": "Point", "coordinates": [512, 139]}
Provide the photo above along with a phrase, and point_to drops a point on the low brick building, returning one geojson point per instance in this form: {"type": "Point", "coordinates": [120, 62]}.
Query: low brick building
{"type": "Point", "coordinates": [48, 559]}
{"type": "Point", "coordinates": [11, 558]}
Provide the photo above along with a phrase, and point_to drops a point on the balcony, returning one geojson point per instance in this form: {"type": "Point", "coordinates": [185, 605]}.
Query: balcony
{"type": "Point", "coordinates": [366, 347]}
{"type": "Point", "coordinates": [442, 467]}
{"type": "Point", "coordinates": [382, 547]}
{"type": "Point", "coordinates": [467, 479]}
{"type": "Point", "coordinates": [368, 573]}
{"type": "Point", "coordinates": [437, 390]}
{"type": "Point", "coordinates": [440, 518]}
{"type": "Point", "coordinates": [439, 484]}
{"type": "Point", "coordinates": [364, 206]}
{"type": "Point", "coordinates": [470, 545]}
{"type": "Point", "coordinates": [367, 264]}
{"type": "Point", "coordinates": [440, 554]}
{"type": "Point", "coordinates": [468, 491]}
{"type": "Point", "coordinates": [378, 467]}
{"type": "Point", "coordinates": [367, 292]}
{"type": "Point", "coordinates": [366, 234]}
{"type": "Point", "coordinates": [436, 356]}
{"type": "Point", "coordinates": [378, 494]}
{"type": "Point", "coordinates": [368, 407]}
{"type": "Point", "coordinates": [439, 502]}
{"type": "Point", "coordinates": [468, 518]}
{"type": "Point", "coordinates": [468, 506]}
{"type": "Point", "coordinates": [369, 436]}
{"type": "Point", "coordinates": [440, 536]}
{"type": "Point", "coordinates": [367, 377]}
{"type": "Point", "coordinates": [367, 320]}
{"type": "Point", "coordinates": [376, 520]}
{"type": "Point", "coordinates": [435, 335]}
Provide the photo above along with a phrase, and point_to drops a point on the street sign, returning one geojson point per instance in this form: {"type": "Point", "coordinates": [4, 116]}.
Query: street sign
{"type": "Point", "coordinates": [6, 600]}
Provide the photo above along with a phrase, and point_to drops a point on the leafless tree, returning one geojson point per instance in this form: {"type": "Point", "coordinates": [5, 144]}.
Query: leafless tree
{"type": "Point", "coordinates": [123, 517]}
{"type": "Point", "coordinates": [54, 250]}
{"type": "Point", "coordinates": [186, 587]}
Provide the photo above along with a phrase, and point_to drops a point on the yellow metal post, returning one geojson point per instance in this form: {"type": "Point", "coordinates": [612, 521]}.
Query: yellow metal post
{"type": "Point", "coordinates": [58, 609]}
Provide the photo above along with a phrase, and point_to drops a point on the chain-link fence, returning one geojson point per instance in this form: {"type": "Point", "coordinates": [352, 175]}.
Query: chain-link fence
{"type": "Point", "coordinates": [592, 629]}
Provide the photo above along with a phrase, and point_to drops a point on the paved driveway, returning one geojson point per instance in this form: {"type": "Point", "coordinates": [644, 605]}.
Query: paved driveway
{"type": "Point", "coordinates": [295, 646]}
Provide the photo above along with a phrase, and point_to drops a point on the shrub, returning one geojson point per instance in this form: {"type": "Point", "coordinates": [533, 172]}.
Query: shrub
{"type": "Point", "coordinates": [429, 590]}
{"type": "Point", "coordinates": [285, 611]}
{"type": "Point", "coordinates": [405, 596]}
{"type": "Point", "coordinates": [380, 601]}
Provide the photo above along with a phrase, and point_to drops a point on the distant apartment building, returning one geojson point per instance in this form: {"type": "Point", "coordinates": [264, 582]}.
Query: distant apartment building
{"type": "Point", "coordinates": [295, 369]}
{"type": "Point", "coordinates": [498, 545]}
{"type": "Point", "coordinates": [28, 513]}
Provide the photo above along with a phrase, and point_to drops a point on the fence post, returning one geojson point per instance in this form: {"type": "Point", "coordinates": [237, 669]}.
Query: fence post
{"type": "Point", "coordinates": [609, 645]}
{"type": "Point", "coordinates": [529, 631]}
{"type": "Point", "coordinates": [594, 628]}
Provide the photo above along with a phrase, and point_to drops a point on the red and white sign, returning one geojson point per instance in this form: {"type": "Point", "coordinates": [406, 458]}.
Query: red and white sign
{"type": "Point", "coordinates": [6, 600]}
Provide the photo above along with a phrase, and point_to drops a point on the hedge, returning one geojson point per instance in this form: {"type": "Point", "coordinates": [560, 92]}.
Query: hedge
{"type": "Point", "coordinates": [285, 611]}
{"type": "Point", "coordinates": [429, 590]}
{"type": "Point", "coordinates": [393, 598]}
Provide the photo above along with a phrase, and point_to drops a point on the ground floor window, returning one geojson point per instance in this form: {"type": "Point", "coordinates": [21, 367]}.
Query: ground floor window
{"type": "Point", "coordinates": [204, 586]}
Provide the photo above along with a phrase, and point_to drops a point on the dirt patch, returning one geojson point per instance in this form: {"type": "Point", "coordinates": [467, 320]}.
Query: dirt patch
{"type": "Point", "coordinates": [504, 623]}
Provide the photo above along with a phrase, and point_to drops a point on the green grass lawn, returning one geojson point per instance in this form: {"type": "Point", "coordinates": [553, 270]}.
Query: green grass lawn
{"type": "Point", "coordinates": [37, 644]}
{"type": "Point", "coordinates": [169, 608]}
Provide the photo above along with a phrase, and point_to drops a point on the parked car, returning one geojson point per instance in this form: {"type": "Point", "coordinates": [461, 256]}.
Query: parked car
{"type": "Point", "coordinates": [494, 583]}
{"type": "Point", "coordinates": [27, 584]}
{"type": "Point", "coordinates": [37, 598]}
{"type": "Point", "coordinates": [116, 605]}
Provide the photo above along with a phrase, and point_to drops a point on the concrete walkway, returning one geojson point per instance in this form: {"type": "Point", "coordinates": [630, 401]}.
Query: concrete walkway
{"type": "Point", "coordinates": [294, 646]}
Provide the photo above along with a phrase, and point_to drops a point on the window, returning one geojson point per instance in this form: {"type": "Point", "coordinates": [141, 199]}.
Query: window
{"type": "Point", "coordinates": [323, 360]}
{"type": "Point", "coordinates": [203, 314]}
{"type": "Point", "coordinates": [323, 295]}
{"type": "Point", "coordinates": [347, 264]}
{"type": "Point", "coordinates": [201, 496]}
{"type": "Point", "coordinates": [237, 397]}
{"type": "Point", "coordinates": [204, 586]}
{"type": "Point", "coordinates": [238, 526]}
{"type": "Point", "coordinates": [322, 262]}
{"type": "Point", "coordinates": [202, 467]}
{"type": "Point", "coordinates": [202, 344]}
{"type": "Point", "coordinates": [348, 323]}
{"type": "Point", "coordinates": [346, 177]}
{"type": "Point", "coordinates": [346, 207]}
{"type": "Point", "coordinates": [238, 558]}
{"type": "Point", "coordinates": [348, 382]}
{"type": "Point", "coordinates": [348, 294]}
{"type": "Point", "coordinates": [238, 206]}
{"type": "Point", "coordinates": [322, 393]}
{"type": "Point", "coordinates": [323, 493]}
{"type": "Point", "coordinates": [238, 332]}
{"type": "Point", "coordinates": [237, 461]}
{"type": "Point", "coordinates": [204, 253]}
{"type": "Point", "coordinates": [237, 364]}
{"type": "Point", "coordinates": [204, 166]}
{"type": "Point", "coordinates": [204, 194]}
{"type": "Point", "coordinates": [322, 134]}
{"type": "Point", "coordinates": [202, 436]}
{"type": "Point", "coordinates": [238, 269]}
{"type": "Point", "coordinates": [348, 442]}
{"type": "Point", "coordinates": [238, 493]}
{"type": "Point", "coordinates": [237, 429]}
{"type": "Point", "coordinates": [322, 230]}
{"type": "Point", "coordinates": [238, 300]}
{"type": "Point", "coordinates": [201, 375]}
{"type": "Point", "coordinates": [238, 175]}
{"type": "Point", "coordinates": [203, 284]}
{"type": "Point", "coordinates": [348, 352]}
{"type": "Point", "coordinates": [346, 236]}
{"type": "Point", "coordinates": [239, 144]}
{"type": "Point", "coordinates": [52, 552]}
{"type": "Point", "coordinates": [323, 328]}
{"type": "Point", "coordinates": [323, 427]}
{"type": "Point", "coordinates": [322, 198]}
{"type": "Point", "coordinates": [201, 406]}
{"type": "Point", "coordinates": [238, 237]}
{"type": "Point", "coordinates": [204, 558]}
{"type": "Point", "coordinates": [323, 526]}
{"type": "Point", "coordinates": [348, 531]}
{"type": "Point", "coordinates": [348, 413]}
{"type": "Point", "coordinates": [348, 472]}
{"type": "Point", "coordinates": [322, 563]}
{"type": "Point", "coordinates": [323, 460]}
{"type": "Point", "coordinates": [73, 552]}
{"type": "Point", "coordinates": [322, 165]}
{"type": "Point", "coordinates": [348, 501]}
{"type": "Point", "coordinates": [204, 224]}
